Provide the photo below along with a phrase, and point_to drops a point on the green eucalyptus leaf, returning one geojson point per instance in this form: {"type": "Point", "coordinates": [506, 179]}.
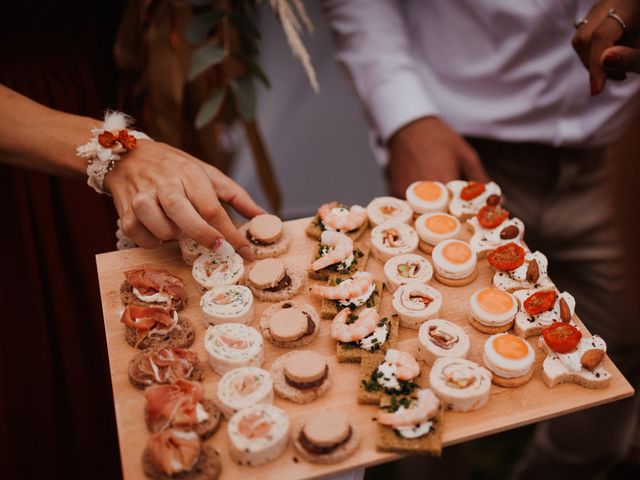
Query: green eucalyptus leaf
{"type": "Point", "coordinates": [244, 95]}
{"type": "Point", "coordinates": [204, 57]}
{"type": "Point", "coordinates": [199, 26]}
{"type": "Point", "coordinates": [210, 108]}
{"type": "Point", "coordinates": [255, 69]}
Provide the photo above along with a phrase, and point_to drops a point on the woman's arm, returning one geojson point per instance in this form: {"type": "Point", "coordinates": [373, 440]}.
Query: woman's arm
{"type": "Point", "coordinates": [160, 192]}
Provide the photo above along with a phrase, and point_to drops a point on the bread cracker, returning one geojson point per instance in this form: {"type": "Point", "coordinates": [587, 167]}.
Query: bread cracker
{"type": "Point", "coordinates": [368, 365]}
{"type": "Point", "coordinates": [129, 298]}
{"type": "Point", "coordinates": [205, 428]}
{"type": "Point", "coordinates": [182, 336]}
{"type": "Point", "coordinates": [329, 308]}
{"type": "Point", "coordinates": [196, 373]}
{"type": "Point", "coordinates": [346, 353]}
{"type": "Point", "coordinates": [511, 382]}
{"type": "Point", "coordinates": [339, 454]}
{"type": "Point", "coordinates": [389, 441]}
{"type": "Point", "coordinates": [207, 467]}
{"type": "Point", "coordinates": [296, 395]}
{"type": "Point", "coordinates": [273, 309]}
{"type": "Point", "coordinates": [425, 247]}
{"type": "Point", "coordinates": [314, 229]}
{"type": "Point", "coordinates": [358, 265]}
{"type": "Point", "coordinates": [461, 282]}
{"type": "Point", "coordinates": [481, 327]}
{"type": "Point", "coordinates": [276, 249]}
{"type": "Point", "coordinates": [297, 284]}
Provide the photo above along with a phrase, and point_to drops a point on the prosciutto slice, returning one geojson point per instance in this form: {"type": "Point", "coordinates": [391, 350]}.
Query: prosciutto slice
{"type": "Point", "coordinates": [144, 319]}
{"type": "Point", "coordinates": [152, 280]}
{"type": "Point", "coordinates": [165, 366]}
{"type": "Point", "coordinates": [173, 405]}
{"type": "Point", "coordinates": [173, 451]}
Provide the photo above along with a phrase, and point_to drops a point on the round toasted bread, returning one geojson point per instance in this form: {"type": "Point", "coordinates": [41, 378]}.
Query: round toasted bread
{"type": "Point", "coordinates": [206, 428]}
{"type": "Point", "coordinates": [196, 373]}
{"type": "Point", "coordinates": [208, 467]}
{"type": "Point", "coordinates": [273, 309]}
{"type": "Point", "coordinates": [129, 298]}
{"type": "Point", "coordinates": [182, 336]}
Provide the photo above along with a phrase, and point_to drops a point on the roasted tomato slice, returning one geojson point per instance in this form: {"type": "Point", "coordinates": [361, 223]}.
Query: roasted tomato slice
{"type": "Point", "coordinates": [492, 216]}
{"type": "Point", "coordinates": [561, 337]}
{"type": "Point", "coordinates": [472, 190]}
{"type": "Point", "coordinates": [540, 302]}
{"type": "Point", "coordinates": [506, 257]}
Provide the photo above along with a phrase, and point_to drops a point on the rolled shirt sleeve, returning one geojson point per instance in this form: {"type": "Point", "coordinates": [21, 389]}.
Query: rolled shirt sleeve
{"type": "Point", "coordinates": [372, 45]}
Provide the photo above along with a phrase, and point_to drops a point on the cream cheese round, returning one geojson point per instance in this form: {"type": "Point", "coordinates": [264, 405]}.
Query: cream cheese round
{"type": "Point", "coordinates": [425, 228]}
{"type": "Point", "coordinates": [384, 209]}
{"type": "Point", "coordinates": [243, 387]}
{"type": "Point", "coordinates": [462, 385]}
{"type": "Point", "coordinates": [227, 304]}
{"type": "Point", "coordinates": [407, 268]}
{"type": "Point", "coordinates": [439, 338]}
{"type": "Point", "coordinates": [460, 207]}
{"type": "Point", "coordinates": [258, 434]}
{"type": "Point", "coordinates": [416, 302]}
{"type": "Point", "coordinates": [393, 238]}
{"type": "Point", "coordinates": [211, 269]}
{"type": "Point", "coordinates": [233, 345]}
{"type": "Point", "coordinates": [427, 197]}
{"type": "Point", "coordinates": [446, 268]}
{"type": "Point", "coordinates": [158, 297]}
{"type": "Point", "coordinates": [507, 367]}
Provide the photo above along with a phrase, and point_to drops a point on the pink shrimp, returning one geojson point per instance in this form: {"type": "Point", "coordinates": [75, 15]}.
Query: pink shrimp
{"type": "Point", "coordinates": [407, 366]}
{"type": "Point", "coordinates": [425, 408]}
{"type": "Point", "coordinates": [340, 218]}
{"type": "Point", "coordinates": [364, 325]}
{"type": "Point", "coordinates": [348, 289]}
{"type": "Point", "coordinates": [341, 249]}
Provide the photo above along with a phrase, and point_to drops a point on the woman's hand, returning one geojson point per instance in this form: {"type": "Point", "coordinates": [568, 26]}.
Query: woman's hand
{"type": "Point", "coordinates": [429, 149]}
{"type": "Point", "coordinates": [161, 192]}
{"type": "Point", "coordinates": [606, 49]}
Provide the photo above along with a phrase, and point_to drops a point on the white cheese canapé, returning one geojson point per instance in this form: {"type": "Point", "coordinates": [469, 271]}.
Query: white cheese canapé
{"type": "Point", "coordinates": [529, 325]}
{"type": "Point", "coordinates": [393, 238]}
{"type": "Point", "coordinates": [439, 338]}
{"type": "Point", "coordinates": [233, 345]}
{"type": "Point", "coordinates": [258, 434]}
{"type": "Point", "coordinates": [461, 384]}
{"type": "Point", "coordinates": [407, 268]}
{"type": "Point", "coordinates": [384, 209]}
{"type": "Point", "coordinates": [485, 239]}
{"type": "Point", "coordinates": [242, 387]}
{"type": "Point", "coordinates": [211, 269]}
{"type": "Point", "coordinates": [466, 208]}
{"type": "Point", "coordinates": [517, 279]}
{"type": "Point", "coordinates": [227, 304]}
{"type": "Point", "coordinates": [416, 302]}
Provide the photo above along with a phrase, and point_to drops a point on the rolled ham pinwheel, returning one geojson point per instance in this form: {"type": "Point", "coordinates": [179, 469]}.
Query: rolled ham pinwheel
{"type": "Point", "coordinates": [416, 302]}
{"type": "Point", "coordinates": [461, 384]}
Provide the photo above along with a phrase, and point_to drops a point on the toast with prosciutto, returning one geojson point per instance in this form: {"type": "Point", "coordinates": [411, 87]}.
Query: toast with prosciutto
{"type": "Point", "coordinates": [173, 454]}
{"type": "Point", "coordinates": [148, 286]}
{"type": "Point", "coordinates": [164, 365]}
{"type": "Point", "coordinates": [181, 405]}
{"type": "Point", "coordinates": [156, 327]}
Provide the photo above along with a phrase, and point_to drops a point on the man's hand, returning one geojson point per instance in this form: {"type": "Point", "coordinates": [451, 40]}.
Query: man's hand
{"type": "Point", "coordinates": [161, 192]}
{"type": "Point", "coordinates": [604, 47]}
{"type": "Point", "coordinates": [428, 149]}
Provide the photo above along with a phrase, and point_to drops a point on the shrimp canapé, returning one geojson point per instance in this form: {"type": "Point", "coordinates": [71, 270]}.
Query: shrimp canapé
{"type": "Point", "coordinates": [424, 408]}
{"type": "Point", "coordinates": [342, 219]}
{"type": "Point", "coordinates": [348, 289]}
{"type": "Point", "coordinates": [340, 249]}
{"type": "Point", "coordinates": [363, 326]}
{"type": "Point", "coordinates": [406, 366]}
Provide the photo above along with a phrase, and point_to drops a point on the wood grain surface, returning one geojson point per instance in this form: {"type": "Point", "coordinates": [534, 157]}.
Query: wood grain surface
{"type": "Point", "coordinates": [507, 408]}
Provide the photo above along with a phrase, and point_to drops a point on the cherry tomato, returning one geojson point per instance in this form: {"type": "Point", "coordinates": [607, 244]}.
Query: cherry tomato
{"type": "Point", "coordinates": [506, 257]}
{"type": "Point", "coordinates": [540, 302]}
{"type": "Point", "coordinates": [472, 190]}
{"type": "Point", "coordinates": [492, 216]}
{"type": "Point", "coordinates": [561, 337]}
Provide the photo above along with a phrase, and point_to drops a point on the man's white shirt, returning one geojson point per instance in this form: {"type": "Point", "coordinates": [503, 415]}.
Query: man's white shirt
{"type": "Point", "coordinates": [496, 69]}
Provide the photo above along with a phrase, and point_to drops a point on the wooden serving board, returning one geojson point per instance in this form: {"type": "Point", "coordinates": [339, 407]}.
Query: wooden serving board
{"type": "Point", "coordinates": [507, 408]}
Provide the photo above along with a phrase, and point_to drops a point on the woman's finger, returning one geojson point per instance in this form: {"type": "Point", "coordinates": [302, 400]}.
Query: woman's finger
{"type": "Point", "coordinates": [178, 208]}
{"type": "Point", "coordinates": [203, 197]}
{"type": "Point", "coordinates": [236, 196]}
{"type": "Point", "coordinates": [133, 228]}
{"type": "Point", "coordinates": [146, 207]}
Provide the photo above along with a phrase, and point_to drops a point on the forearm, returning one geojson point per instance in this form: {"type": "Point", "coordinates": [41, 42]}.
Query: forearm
{"type": "Point", "coordinates": [36, 137]}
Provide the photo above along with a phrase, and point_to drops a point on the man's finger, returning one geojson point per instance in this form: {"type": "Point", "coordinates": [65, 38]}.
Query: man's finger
{"type": "Point", "coordinates": [618, 60]}
{"type": "Point", "coordinates": [606, 35]}
{"type": "Point", "coordinates": [472, 167]}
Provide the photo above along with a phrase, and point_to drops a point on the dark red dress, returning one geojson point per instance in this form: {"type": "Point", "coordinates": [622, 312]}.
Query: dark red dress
{"type": "Point", "coordinates": [56, 406]}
